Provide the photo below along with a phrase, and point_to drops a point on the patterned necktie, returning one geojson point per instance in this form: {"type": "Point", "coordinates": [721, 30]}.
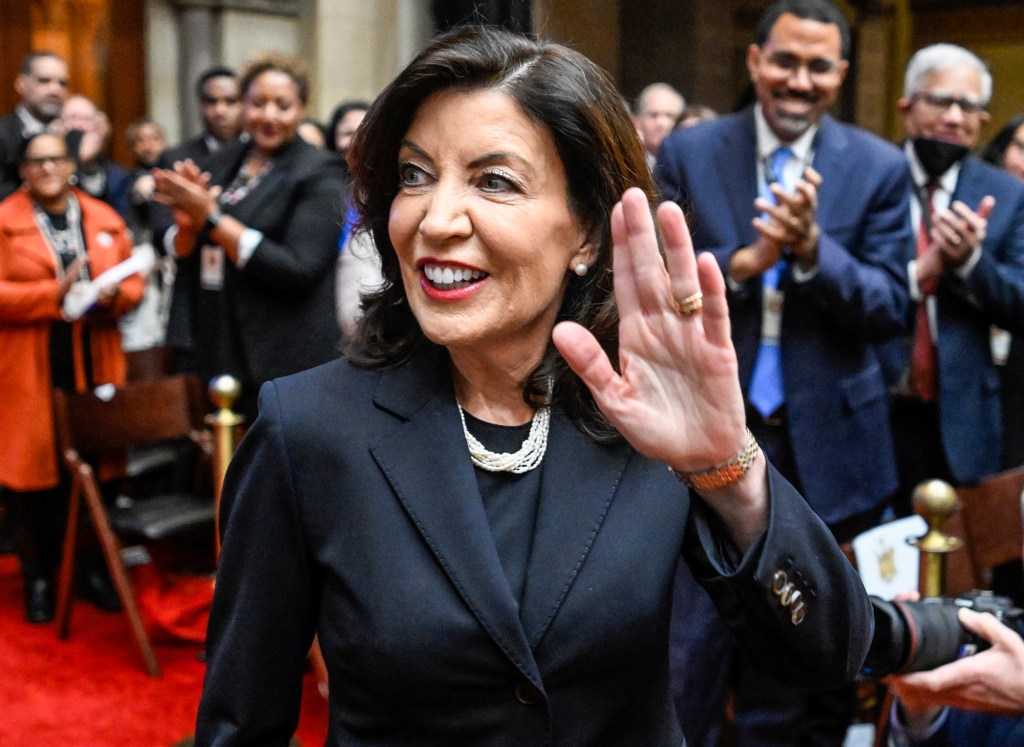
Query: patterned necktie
{"type": "Point", "coordinates": [766, 392]}
{"type": "Point", "coordinates": [924, 374]}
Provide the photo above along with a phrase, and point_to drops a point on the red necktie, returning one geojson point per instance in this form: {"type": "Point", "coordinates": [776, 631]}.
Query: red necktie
{"type": "Point", "coordinates": [924, 374]}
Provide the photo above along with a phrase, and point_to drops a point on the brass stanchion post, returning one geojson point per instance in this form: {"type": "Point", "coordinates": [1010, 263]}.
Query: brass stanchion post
{"type": "Point", "coordinates": [935, 500]}
{"type": "Point", "coordinates": [223, 392]}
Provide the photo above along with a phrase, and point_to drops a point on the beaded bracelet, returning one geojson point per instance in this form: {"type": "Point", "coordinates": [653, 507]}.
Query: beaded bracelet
{"type": "Point", "coordinates": [723, 474]}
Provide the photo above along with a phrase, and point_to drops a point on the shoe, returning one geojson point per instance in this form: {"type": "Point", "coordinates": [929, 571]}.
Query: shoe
{"type": "Point", "coordinates": [38, 600]}
{"type": "Point", "coordinates": [94, 585]}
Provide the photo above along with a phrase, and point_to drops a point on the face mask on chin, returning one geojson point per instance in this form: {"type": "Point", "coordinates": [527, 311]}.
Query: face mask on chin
{"type": "Point", "coordinates": [936, 156]}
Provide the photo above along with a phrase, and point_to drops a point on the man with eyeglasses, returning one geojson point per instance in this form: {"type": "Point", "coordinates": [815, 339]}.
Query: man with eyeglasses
{"type": "Point", "coordinates": [966, 276]}
{"type": "Point", "coordinates": [808, 218]}
{"type": "Point", "coordinates": [42, 87]}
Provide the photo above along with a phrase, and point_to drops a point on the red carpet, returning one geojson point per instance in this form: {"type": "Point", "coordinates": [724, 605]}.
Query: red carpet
{"type": "Point", "coordinates": [91, 690]}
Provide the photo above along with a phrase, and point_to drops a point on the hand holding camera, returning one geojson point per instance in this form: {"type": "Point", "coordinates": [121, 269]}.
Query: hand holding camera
{"type": "Point", "coordinates": [992, 680]}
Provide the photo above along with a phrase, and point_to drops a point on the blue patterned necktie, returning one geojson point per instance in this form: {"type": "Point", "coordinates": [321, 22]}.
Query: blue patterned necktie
{"type": "Point", "coordinates": [765, 392]}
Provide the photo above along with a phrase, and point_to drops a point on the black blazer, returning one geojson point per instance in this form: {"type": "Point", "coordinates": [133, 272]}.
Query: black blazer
{"type": "Point", "coordinates": [352, 508]}
{"type": "Point", "coordinates": [10, 154]}
{"type": "Point", "coordinates": [195, 149]}
{"type": "Point", "coordinates": [282, 300]}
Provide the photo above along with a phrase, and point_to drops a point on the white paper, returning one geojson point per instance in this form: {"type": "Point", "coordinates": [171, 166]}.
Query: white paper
{"type": "Point", "coordinates": [83, 295]}
{"type": "Point", "coordinates": [886, 562]}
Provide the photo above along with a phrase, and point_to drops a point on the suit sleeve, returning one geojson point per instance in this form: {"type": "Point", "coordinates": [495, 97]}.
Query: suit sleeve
{"type": "Point", "coordinates": [996, 284]}
{"type": "Point", "coordinates": [862, 285]}
{"type": "Point", "coordinates": [295, 256]}
{"type": "Point", "coordinates": [824, 649]}
{"type": "Point", "coordinates": [264, 610]}
{"type": "Point", "coordinates": [10, 141]}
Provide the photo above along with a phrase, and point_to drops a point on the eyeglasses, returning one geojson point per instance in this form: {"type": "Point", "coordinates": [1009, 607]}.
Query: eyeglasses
{"type": "Point", "coordinates": [39, 161]}
{"type": "Point", "coordinates": [817, 67]}
{"type": "Point", "coordinates": [942, 103]}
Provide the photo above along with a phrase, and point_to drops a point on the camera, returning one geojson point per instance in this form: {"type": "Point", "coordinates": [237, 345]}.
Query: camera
{"type": "Point", "coordinates": [917, 636]}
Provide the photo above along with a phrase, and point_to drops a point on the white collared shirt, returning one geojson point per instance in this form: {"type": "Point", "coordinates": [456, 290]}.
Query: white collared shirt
{"type": "Point", "coordinates": [30, 125]}
{"type": "Point", "coordinates": [803, 154]}
{"type": "Point", "coordinates": [768, 142]}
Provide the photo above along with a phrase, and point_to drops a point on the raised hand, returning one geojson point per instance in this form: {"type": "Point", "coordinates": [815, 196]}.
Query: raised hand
{"type": "Point", "coordinates": [186, 190]}
{"type": "Point", "coordinates": [792, 221]}
{"type": "Point", "coordinates": [71, 276]}
{"type": "Point", "coordinates": [957, 232]}
{"type": "Point", "coordinates": [676, 396]}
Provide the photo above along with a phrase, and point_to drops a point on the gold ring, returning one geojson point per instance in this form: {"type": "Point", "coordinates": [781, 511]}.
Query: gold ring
{"type": "Point", "coordinates": [691, 304]}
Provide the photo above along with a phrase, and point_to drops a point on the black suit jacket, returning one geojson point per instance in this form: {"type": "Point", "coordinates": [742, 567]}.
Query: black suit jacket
{"type": "Point", "coordinates": [195, 149]}
{"type": "Point", "coordinates": [10, 154]}
{"type": "Point", "coordinates": [352, 508]}
{"type": "Point", "coordinates": [282, 300]}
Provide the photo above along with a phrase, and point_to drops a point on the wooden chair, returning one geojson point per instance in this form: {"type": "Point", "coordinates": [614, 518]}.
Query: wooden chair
{"type": "Point", "coordinates": [151, 363]}
{"type": "Point", "coordinates": [94, 434]}
{"type": "Point", "coordinates": [990, 513]}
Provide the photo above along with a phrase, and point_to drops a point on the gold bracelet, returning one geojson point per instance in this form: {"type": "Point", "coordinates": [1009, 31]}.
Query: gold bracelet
{"type": "Point", "coordinates": [723, 474]}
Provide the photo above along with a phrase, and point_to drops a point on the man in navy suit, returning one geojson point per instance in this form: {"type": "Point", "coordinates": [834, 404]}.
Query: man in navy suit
{"type": "Point", "coordinates": [808, 218]}
{"type": "Point", "coordinates": [965, 277]}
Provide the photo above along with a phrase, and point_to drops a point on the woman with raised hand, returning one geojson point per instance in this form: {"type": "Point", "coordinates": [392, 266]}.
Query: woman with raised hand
{"type": "Point", "coordinates": [480, 511]}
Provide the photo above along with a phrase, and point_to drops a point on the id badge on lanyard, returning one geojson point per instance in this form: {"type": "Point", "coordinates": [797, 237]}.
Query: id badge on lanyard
{"type": "Point", "coordinates": [771, 315]}
{"type": "Point", "coordinates": [211, 267]}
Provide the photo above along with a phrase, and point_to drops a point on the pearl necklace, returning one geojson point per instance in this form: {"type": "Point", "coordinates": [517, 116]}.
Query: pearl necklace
{"type": "Point", "coordinates": [530, 454]}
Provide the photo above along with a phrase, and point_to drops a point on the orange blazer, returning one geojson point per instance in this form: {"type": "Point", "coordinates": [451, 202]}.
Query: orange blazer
{"type": "Point", "coordinates": [28, 306]}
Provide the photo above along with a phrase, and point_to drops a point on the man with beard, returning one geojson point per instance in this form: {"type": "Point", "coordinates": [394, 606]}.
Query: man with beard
{"type": "Point", "coordinates": [966, 276]}
{"type": "Point", "coordinates": [42, 87]}
{"type": "Point", "coordinates": [808, 218]}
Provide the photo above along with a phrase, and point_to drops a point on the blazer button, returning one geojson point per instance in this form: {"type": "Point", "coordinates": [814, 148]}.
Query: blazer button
{"type": "Point", "coordinates": [527, 693]}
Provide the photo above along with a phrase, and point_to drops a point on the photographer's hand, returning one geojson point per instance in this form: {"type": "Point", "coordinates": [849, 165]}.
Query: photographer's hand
{"type": "Point", "coordinates": [992, 681]}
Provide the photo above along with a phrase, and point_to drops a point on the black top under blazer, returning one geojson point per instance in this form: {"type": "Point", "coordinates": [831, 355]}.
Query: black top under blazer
{"type": "Point", "coordinates": [352, 509]}
{"type": "Point", "coordinates": [282, 300]}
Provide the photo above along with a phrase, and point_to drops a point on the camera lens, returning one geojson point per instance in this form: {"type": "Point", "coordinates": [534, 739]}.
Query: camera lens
{"type": "Point", "coordinates": [916, 636]}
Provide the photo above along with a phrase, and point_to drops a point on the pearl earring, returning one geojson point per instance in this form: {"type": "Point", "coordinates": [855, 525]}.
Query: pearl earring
{"type": "Point", "coordinates": [581, 269]}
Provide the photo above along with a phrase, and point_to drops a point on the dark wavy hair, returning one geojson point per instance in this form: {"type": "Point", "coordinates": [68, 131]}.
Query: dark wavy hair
{"type": "Point", "coordinates": [339, 114]}
{"type": "Point", "coordinates": [822, 11]}
{"type": "Point", "coordinates": [596, 139]}
{"type": "Point", "coordinates": [995, 151]}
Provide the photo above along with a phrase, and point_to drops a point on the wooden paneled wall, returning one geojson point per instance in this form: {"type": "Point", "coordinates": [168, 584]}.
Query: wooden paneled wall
{"type": "Point", "coordinates": [103, 42]}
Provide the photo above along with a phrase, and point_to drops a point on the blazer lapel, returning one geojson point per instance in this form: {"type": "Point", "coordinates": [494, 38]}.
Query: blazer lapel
{"type": "Point", "coordinates": [969, 188]}
{"type": "Point", "coordinates": [579, 482]}
{"type": "Point", "coordinates": [426, 461]}
{"type": "Point", "coordinates": [270, 185]}
{"type": "Point", "coordinates": [831, 160]}
{"type": "Point", "coordinates": [738, 173]}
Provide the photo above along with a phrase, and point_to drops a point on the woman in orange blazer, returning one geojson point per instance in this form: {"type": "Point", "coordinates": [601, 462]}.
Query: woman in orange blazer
{"type": "Point", "coordinates": [51, 236]}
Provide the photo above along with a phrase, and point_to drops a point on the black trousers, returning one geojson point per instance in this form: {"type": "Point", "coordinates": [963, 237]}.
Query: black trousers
{"type": "Point", "coordinates": [920, 455]}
